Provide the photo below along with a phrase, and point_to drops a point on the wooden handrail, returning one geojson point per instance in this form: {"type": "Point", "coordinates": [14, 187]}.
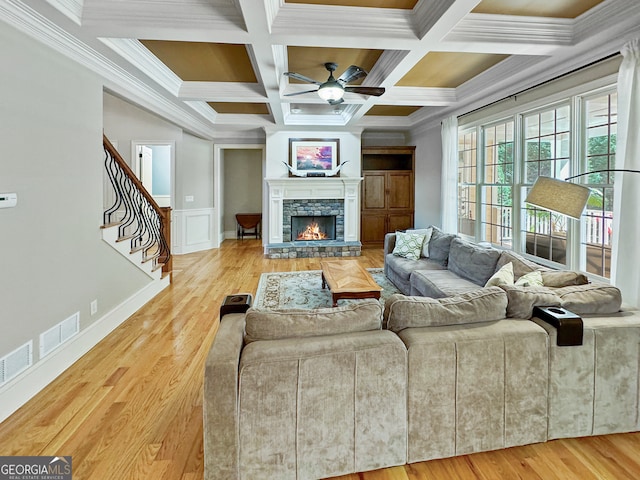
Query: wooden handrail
{"type": "Point", "coordinates": [163, 213]}
{"type": "Point", "coordinates": [127, 169]}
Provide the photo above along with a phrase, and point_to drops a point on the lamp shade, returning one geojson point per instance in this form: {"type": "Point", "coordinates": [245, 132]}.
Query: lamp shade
{"type": "Point", "coordinates": [558, 196]}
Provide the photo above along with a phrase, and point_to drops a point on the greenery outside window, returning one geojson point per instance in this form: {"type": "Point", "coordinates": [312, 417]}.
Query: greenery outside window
{"type": "Point", "coordinates": [497, 189]}
{"type": "Point", "coordinates": [467, 151]}
{"type": "Point", "coordinates": [600, 129]}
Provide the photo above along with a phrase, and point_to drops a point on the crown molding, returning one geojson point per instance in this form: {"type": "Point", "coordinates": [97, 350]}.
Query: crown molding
{"type": "Point", "coordinates": [72, 9]}
{"type": "Point", "coordinates": [116, 78]}
{"type": "Point", "coordinates": [511, 29]}
{"type": "Point", "coordinates": [419, 96]}
{"type": "Point", "coordinates": [223, 92]}
{"type": "Point", "coordinates": [137, 54]}
{"type": "Point", "coordinates": [368, 24]}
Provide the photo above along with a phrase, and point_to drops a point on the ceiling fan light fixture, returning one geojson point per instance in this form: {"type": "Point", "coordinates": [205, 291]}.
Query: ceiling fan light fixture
{"type": "Point", "coordinates": [330, 91]}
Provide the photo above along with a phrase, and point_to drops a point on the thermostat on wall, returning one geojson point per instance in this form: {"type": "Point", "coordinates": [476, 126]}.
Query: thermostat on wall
{"type": "Point", "coordinates": [8, 200]}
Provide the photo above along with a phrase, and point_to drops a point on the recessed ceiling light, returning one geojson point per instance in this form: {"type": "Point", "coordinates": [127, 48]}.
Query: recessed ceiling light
{"type": "Point", "coordinates": [296, 110]}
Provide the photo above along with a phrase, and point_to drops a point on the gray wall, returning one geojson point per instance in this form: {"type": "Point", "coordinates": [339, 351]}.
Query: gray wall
{"type": "Point", "coordinates": [194, 173]}
{"type": "Point", "coordinates": [53, 261]}
{"type": "Point", "coordinates": [428, 170]}
{"type": "Point", "coordinates": [243, 184]}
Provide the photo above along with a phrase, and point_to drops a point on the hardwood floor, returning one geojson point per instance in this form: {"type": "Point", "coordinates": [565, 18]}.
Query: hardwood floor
{"type": "Point", "coordinates": [131, 408]}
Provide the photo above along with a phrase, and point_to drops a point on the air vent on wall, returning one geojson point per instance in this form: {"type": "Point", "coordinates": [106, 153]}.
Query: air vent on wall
{"type": "Point", "coordinates": [16, 362]}
{"type": "Point", "coordinates": [58, 334]}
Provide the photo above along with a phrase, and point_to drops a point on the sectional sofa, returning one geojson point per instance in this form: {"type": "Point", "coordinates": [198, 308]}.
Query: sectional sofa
{"type": "Point", "coordinates": [307, 394]}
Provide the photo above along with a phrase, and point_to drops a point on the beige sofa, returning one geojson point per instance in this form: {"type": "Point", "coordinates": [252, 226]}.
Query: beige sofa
{"type": "Point", "coordinates": [306, 394]}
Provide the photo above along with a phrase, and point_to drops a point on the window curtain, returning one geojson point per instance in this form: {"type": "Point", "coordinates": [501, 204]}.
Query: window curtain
{"type": "Point", "coordinates": [625, 261]}
{"type": "Point", "coordinates": [449, 192]}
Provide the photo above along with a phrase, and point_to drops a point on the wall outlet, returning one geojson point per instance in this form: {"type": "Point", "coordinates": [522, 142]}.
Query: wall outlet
{"type": "Point", "coordinates": [188, 198]}
{"type": "Point", "coordinates": [94, 307]}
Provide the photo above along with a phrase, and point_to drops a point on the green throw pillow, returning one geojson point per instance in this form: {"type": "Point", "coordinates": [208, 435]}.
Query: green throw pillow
{"type": "Point", "coordinates": [408, 245]}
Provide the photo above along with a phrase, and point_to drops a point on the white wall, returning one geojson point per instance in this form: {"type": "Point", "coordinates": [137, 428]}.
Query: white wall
{"type": "Point", "coordinates": [428, 169]}
{"type": "Point", "coordinates": [277, 150]}
{"type": "Point", "coordinates": [53, 261]}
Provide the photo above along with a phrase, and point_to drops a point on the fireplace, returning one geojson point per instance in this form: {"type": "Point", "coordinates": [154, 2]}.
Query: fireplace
{"type": "Point", "coordinates": [312, 227]}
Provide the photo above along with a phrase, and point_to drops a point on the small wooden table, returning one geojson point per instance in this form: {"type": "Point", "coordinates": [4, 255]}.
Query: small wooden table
{"type": "Point", "coordinates": [348, 279]}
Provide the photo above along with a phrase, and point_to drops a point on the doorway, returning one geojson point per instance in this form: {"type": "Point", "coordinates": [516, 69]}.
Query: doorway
{"type": "Point", "coordinates": [153, 164]}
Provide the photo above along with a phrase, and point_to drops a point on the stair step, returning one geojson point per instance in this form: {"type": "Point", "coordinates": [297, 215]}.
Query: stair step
{"type": "Point", "coordinates": [111, 225]}
{"type": "Point", "coordinates": [125, 238]}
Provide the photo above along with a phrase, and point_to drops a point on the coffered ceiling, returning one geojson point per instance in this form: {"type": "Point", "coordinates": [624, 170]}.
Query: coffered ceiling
{"type": "Point", "coordinates": [217, 65]}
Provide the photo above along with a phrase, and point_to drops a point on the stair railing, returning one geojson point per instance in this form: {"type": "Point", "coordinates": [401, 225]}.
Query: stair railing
{"type": "Point", "coordinates": [136, 213]}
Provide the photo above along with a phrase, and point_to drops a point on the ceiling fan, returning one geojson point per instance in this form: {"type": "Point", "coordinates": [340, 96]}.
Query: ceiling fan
{"type": "Point", "coordinates": [333, 89]}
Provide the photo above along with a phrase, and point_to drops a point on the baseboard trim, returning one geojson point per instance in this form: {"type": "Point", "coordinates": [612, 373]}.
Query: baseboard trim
{"type": "Point", "coordinates": [19, 391]}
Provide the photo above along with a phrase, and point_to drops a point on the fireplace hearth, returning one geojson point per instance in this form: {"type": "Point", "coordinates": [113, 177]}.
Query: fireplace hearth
{"type": "Point", "coordinates": [313, 228]}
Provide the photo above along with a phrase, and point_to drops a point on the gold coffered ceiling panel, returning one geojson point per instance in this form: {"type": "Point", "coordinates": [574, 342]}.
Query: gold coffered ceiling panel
{"type": "Point", "coordinates": [309, 61]}
{"type": "Point", "coordinates": [240, 108]}
{"type": "Point", "coordinates": [403, 4]}
{"type": "Point", "coordinates": [392, 110]}
{"type": "Point", "coordinates": [448, 69]}
{"type": "Point", "coordinates": [204, 62]}
{"type": "Point", "coordinates": [537, 8]}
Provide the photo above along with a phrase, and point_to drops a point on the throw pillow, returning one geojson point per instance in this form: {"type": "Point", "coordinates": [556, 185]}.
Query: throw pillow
{"type": "Point", "coordinates": [503, 276]}
{"type": "Point", "coordinates": [531, 279]}
{"type": "Point", "coordinates": [439, 246]}
{"type": "Point", "coordinates": [521, 300]}
{"type": "Point", "coordinates": [427, 236]}
{"type": "Point", "coordinates": [408, 245]}
{"type": "Point", "coordinates": [296, 323]}
{"type": "Point", "coordinates": [482, 305]}
{"type": "Point", "coordinates": [563, 278]}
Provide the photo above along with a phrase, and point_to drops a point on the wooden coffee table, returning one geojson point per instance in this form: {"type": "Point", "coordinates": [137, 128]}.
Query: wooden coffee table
{"type": "Point", "coordinates": [348, 279]}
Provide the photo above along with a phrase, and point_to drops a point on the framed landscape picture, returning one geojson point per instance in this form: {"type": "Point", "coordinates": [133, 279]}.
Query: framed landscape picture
{"type": "Point", "coordinates": [314, 155]}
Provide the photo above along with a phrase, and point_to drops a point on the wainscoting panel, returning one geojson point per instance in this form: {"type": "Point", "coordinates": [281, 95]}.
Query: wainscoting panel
{"type": "Point", "coordinates": [193, 230]}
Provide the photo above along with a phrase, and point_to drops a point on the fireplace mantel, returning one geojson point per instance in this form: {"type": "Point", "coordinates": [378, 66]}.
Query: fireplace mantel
{"type": "Point", "coordinates": [296, 188]}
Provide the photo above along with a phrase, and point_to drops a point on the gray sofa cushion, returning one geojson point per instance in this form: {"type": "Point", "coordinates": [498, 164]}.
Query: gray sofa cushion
{"type": "Point", "coordinates": [439, 245]}
{"type": "Point", "coordinates": [521, 265]}
{"type": "Point", "coordinates": [594, 298]}
{"type": "Point", "coordinates": [523, 299]}
{"type": "Point", "coordinates": [472, 261]}
{"type": "Point", "coordinates": [439, 283]}
{"type": "Point", "coordinates": [485, 304]}
{"type": "Point", "coordinates": [294, 323]}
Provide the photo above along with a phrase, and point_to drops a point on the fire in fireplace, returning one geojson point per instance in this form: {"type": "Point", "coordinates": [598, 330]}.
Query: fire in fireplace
{"type": "Point", "coordinates": [310, 228]}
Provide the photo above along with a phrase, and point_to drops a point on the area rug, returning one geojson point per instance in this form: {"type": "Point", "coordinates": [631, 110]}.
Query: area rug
{"type": "Point", "coordinates": [304, 289]}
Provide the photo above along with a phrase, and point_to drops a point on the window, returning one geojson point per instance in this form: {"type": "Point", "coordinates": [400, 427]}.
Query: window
{"type": "Point", "coordinates": [497, 189]}
{"type": "Point", "coordinates": [499, 161]}
{"type": "Point", "coordinates": [547, 147]}
{"type": "Point", "coordinates": [600, 124]}
{"type": "Point", "coordinates": [467, 148]}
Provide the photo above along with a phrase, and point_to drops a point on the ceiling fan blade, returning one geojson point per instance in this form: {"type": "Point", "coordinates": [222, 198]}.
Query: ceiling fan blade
{"type": "Point", "coordinates": [298, 93]}
{"type": "Point", "coordinates": [375, 91]}
{"type": "Point", "coordinates": [352, 74]}
{"type": "Point", "coordinates": [301, 77]}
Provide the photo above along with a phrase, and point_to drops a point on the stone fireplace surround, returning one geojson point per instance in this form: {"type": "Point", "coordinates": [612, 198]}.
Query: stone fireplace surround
{"type": "Point", "coordinates": [333, 194]}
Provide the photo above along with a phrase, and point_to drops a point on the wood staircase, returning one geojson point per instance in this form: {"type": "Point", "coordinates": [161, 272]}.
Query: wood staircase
{"type": "Point", "coordinates": [135, 225]}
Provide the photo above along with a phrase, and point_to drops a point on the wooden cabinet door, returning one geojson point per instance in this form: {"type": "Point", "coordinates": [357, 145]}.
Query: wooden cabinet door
{"type": "Point", "coordinates": [399, 221]}
{"type": "Point", "coordinates": [373, 227]}
{"type": "Point", "coordinates": [374, 186]}
{"type": "Point", "coordinates": [400, 191]}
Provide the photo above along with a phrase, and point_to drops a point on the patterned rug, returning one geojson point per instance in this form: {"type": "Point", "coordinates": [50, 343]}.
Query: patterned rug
{"type": "Point", "coordinates": [304, 289]}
